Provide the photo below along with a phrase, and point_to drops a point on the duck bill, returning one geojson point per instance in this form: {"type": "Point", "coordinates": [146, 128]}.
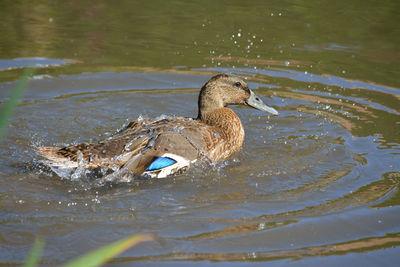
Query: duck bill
{"type": "Point", "coordinates": [256, 102]}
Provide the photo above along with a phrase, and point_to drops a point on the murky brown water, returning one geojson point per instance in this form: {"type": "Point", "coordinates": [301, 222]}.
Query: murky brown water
{"type": "Point", "coordinates": [317, 184]}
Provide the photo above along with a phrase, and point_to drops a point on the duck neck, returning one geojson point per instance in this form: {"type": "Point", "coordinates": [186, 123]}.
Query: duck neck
{"type": "Point", "coordinates": [226, 123]}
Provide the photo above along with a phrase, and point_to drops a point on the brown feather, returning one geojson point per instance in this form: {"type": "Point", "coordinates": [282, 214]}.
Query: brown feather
{"type": "Point", "coordinates": [216, 134]}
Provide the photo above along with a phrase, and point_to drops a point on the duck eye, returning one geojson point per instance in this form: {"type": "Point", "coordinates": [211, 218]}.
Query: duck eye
{"type": "Point", "coordinates": [237, 84]}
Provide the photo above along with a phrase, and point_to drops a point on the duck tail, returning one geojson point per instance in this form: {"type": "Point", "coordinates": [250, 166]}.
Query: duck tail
{"type": "Point", "coordinates": [54, 158]}
{"type": "Point", "coordinates": [48, 152]}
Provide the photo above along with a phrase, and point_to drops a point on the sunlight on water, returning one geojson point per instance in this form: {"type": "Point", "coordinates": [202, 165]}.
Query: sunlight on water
{"type": "Point", "coordinates": [8, 64]}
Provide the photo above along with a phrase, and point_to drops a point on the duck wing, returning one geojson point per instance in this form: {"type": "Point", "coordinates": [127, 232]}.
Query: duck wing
{"type": "Point", "coordinates": [110, 152]}
{"type": "Point", "coordinates": [182, 140]}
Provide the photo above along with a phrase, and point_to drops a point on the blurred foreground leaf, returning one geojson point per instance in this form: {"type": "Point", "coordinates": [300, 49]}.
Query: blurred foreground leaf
{"type": "Point", "coordinates": [16, 94]}
{"type": "Point", "coordinates": [106, 253]}
{"type": "Point", "coordinates": [34, 253]}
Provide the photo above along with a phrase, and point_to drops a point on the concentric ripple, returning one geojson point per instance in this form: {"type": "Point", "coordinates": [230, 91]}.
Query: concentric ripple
{"type": "Point", "coordinates": [321, 179]}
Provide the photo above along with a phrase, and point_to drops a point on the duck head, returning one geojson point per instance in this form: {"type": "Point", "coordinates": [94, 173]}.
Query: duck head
{"type": "Point", "coordinates": [223, 90]}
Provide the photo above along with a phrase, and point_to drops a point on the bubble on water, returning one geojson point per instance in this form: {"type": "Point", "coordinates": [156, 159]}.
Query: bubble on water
{"type": "Point", "coordinates": [239, 34]}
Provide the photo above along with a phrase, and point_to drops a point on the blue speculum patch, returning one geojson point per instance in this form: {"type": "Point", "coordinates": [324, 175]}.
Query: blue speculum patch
{"type": "Point", "coordinates": [160, 163]}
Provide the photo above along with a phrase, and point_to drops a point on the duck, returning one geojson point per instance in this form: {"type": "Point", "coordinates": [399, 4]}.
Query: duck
{"type": "Point", "coordinates": [169, 145]}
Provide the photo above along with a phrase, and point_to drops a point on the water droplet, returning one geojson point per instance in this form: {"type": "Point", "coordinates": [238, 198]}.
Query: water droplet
{"type": "Point", "coordinates": [261, 226]}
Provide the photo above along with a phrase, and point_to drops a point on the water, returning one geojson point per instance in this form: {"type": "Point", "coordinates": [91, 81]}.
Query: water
{"type": "Point", "coordinates": [318, 183]}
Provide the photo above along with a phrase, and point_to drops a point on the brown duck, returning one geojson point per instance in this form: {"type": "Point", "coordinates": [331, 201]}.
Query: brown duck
{"type": "Point", "coordinates": [168, 146]}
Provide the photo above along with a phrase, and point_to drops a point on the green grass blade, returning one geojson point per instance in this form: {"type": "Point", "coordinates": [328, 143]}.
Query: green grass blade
{"type": "Point", "coordinates": [108, 252]}
{"type": "Point", "coordinates": [34, 253]}
{"type": "Point", "coordinates": [9, 106]}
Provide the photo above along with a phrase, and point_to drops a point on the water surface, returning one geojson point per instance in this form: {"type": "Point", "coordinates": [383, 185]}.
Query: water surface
{"type": "Point", "coordinates": [317, 184]}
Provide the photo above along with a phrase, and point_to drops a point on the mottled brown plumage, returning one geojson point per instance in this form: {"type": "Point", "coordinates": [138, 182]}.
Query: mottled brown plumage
{"type": "Point", "coordinates": [215, 134]}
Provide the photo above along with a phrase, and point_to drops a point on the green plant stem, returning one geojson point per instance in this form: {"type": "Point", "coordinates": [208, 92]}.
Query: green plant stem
{"type": "Point", "coordinates": [11, 104]}
{"type": "Point", "coordinates": [106, 253]}
{"type": "Point", "coordinates": [34, 253]}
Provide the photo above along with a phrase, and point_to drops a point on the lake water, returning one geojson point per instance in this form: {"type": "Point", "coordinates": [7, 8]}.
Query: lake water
{"type": "Point", "coordinates": [318, 184]}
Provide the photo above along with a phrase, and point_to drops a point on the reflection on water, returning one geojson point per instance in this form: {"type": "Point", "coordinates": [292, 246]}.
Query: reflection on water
{"type": "Point", "coordinates": [8, 64]}
{"type": "Point", "coordinates": [298, 176]}
{"type": "Point", "coordinates": [320, 179]}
